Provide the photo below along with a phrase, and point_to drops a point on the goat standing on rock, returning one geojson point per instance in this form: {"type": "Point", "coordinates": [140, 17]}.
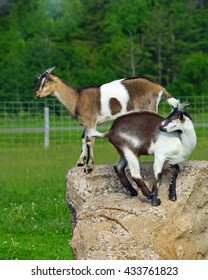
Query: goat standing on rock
{"type": "Point", "coordinates": [94, 105]}
{"type": "Point", "coordinates": [172, 139]}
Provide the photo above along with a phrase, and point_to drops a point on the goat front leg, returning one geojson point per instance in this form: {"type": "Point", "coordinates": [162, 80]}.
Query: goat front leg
{"type": "Point", "coordinates": [120, 171]}
{"type": "Point", "coordinates": [83, 155]}
{"type": "Point", "coordinates": [155, 201]}
{"type": "Point", "coordinates": [172, 188]}
{"type": "Point", "coordinates": [158, 166]}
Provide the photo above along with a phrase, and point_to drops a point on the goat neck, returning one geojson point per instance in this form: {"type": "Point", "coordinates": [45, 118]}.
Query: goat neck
{"type": "Point", "coordinates": [67, 95]}
{"type": "Point", "coordinates": [188, 136]}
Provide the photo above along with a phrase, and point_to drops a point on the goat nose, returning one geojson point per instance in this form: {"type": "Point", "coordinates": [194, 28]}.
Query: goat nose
{"type": "Point", "coordinates": [36, 95]}
{"type": "Point", "coordinates": [162, 128]}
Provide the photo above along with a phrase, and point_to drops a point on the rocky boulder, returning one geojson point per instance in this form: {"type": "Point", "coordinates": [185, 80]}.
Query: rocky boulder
{"type": "Point", "coordinates": [109, 224]}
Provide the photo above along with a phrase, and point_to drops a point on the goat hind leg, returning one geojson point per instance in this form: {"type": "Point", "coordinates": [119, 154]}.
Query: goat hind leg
{"type": "Point", "coordinates": [90, 156]}
{"type": "Point", "coordinates": [134, 167]}
{"type": "Point", "coordinates": [120, 171]}
{"type": "Point", "coordinates": [83, 155]}
{"type": "Point", "coordinates": [143, 187]}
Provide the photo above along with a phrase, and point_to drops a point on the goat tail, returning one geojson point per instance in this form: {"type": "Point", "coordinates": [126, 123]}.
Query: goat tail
{"type": "Point", "coordinates": [97, 134]}
{"type": "Point", "coordinates": [170, 99]}
{"type": "Point", "coordinates": [102, 135]}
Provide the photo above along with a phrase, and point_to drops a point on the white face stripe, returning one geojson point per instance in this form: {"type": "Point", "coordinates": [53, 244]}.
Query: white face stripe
{"type": "Point", "coordinates": [42, 82]}
{"type": "Point", "coordinates": [113, 90]}
{"type": "Point", "coordinates": [133, 163]}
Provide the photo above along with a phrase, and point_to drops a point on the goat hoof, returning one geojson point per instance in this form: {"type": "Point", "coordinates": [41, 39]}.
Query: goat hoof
{"type": "Point", "coordinates": [155, 202]}
{"type": "Point", "coordinates": [173, 197]}
{"type": "Point", "coordinates": [88, 169]}
{"type": "Point", "coordinates": [134, 193]}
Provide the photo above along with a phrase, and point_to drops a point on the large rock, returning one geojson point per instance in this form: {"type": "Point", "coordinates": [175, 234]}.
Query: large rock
{"type": "Point", "coordinates": [109, 224]}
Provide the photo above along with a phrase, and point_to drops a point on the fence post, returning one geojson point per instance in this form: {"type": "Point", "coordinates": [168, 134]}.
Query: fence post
{"type": "Point", "coordinates": [46, 127]}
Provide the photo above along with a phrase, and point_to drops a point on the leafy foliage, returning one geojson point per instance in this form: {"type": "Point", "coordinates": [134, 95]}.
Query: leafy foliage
{"type": "Point", "coordinates": [96, 41]}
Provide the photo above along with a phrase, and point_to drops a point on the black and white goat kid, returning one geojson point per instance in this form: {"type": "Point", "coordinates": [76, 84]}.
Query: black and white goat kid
{"type": "Point", "coordinates": [170, 140]}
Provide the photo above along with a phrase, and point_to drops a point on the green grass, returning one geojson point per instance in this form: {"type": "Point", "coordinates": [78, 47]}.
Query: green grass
{"type": "Point", "coordinates": [34, 221]}
{"type": "Point", "coordinates": [34, 217]}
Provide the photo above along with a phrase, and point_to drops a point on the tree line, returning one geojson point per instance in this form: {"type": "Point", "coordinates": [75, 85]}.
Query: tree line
{"type": "Point", "coordinates": [95, 41]}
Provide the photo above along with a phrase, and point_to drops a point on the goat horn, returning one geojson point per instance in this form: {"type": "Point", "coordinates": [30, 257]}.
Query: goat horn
{"type": "Point", "coordinates": [183, 105]}
{"type": "Point", "coordinates": [49, 70]}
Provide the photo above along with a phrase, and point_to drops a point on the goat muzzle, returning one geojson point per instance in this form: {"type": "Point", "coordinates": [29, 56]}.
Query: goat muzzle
{"type": "Point", "coordinates": [162, 128]}
{"type": "Point", "coordinates": [36, 95]}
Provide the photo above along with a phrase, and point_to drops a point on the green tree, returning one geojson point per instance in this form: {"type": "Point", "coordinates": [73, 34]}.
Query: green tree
{"type": "Point", "coordinates": [124, 27]}
{"type": "Point", "coordinates": [96, 41]}
{"type": "Point", "coordinates": [34, 36]}
{"type": "Point", "coordinates": [193, 76]}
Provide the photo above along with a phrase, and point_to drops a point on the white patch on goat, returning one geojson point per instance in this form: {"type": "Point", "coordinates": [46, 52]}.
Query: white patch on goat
{"type": "Point", "coordinates": [168, 147]}
{"type": "Point", "coordinates": [173, 102]}
{"type": "Point", "coordinates": [133, 163]}
{"type": "Point", "coordinates": [113, 90]}
{"type": "Point", "coordinates": [166, 143]}
{"type": "Point", "coordinates": [131, 139]}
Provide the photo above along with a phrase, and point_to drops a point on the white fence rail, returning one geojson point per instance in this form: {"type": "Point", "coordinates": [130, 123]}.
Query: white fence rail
{"type": "Point", "coordinates": [46, 127]}
{"type": "Point", "coordinates": [47, 122]}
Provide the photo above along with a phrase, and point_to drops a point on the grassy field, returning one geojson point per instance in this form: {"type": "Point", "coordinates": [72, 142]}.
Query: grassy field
{"type": "Point", "coordinates": [34, 217]}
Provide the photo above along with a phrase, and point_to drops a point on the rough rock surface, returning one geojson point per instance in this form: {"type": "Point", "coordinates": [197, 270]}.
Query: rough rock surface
{"type": "Point", "coordinates": [109, 224]}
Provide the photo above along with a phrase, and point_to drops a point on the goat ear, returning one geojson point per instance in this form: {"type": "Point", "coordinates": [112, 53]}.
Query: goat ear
{"type": "Point", "coordinates": [181, 117]}
{"type": "Point", "coordinates": [49, 77]}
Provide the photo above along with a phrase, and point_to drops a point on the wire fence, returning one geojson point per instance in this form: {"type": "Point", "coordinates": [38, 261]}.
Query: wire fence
{"type": "Point", "coordinates": [24, 122]}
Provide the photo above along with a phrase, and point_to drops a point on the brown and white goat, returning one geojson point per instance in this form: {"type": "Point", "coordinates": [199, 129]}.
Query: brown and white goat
{"type": "Point", "coordinates": [144, 133]}
{"type": "Point", "coordinates": [94, 105]}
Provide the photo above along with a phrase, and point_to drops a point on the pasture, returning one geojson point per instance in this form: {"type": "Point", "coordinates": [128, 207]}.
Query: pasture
{"type": "Point", "coordinates": [35, 222]}
{"type": "Point", "coordinates": [34, 217]}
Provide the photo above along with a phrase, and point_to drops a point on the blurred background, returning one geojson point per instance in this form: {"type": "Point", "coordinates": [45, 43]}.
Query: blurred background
{"type": "Point", "coordinates": [96, 41]}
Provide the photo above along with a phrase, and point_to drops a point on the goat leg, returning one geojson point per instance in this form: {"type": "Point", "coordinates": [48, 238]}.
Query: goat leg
{"type": "Point", "coordinates": [120, 171]}
{"type": "Point", "coordinates": [155, 201]}
{"type": "Point", "coordinates": [172, 188]}
{"type": "Point", "coordinates": [83, 155]}
{"type": "Point", "coordinates": [90, 160]}
{"type": "Point", "coordinates": [144, 189]}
